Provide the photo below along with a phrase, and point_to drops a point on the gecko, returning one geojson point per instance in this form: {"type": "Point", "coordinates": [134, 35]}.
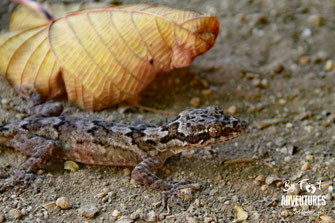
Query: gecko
{"type": "Point", "coordinates": [47, 134]}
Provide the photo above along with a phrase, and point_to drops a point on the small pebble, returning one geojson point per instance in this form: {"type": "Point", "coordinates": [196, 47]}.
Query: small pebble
{"type": "Point", "coordinates": [282, 101]}
{"type": "Point", "coordinates": [170, 218]}
{"type": "Point", "coordinates": [326, 219]}
{"type": "Point", "coordinates": [191, 220]}
{"type": "Point", "coordinates": [235, 198]}
{"type": "Point", "coordinates": [329, 65]}
{"type": "Point", "coordinates": [306, 166]}
{"type": "Point", "coordinates": [289, 125]}
{"type": "Point", "coordinates": [136, 214]}
{"type": "Point", "coordinates": [315, 20]}
{"type": "Point", "coordinates": [321, 56]}
{"type": "Point", "coordinates": [241, 17]}
{"type": "Point", "coordinates": [63, 203]}
{"type": "Point", "coordinates": [256, 82]}
{"type": "Point", "coordinates": [24, 211]}
{"type": "Point", "coordinates": [232, 110]}
{"type": "Point", "coordinates": [308, 128]}
{"type": "Point", "coordinates": [241, 214]}
{"type": "Point", "coordinates": [195, 102]}
{"type": "Point", "coordinates": [89, 211]}
{"type": "Point", "coordinates": [272, 130]}
{"type": "Point", "coordinates": [294, 68]}
{"type": "Point", "coordinates": [309, 157]}
{"type": "Point", "coordinates": [151, 217]}
{"type": "Point", "coordinates": [280, 141]}
{"type": "Point", "coordinates": [116, 213]}
{"type": "Point", "coordinates": [278, 68]}
{"type": "Point", "coordinates": [306, 33]}
{"type": "Point", "coordinates": [304, 60]}
{"type": "Point", "coordinates": [206, 92]}
{"type": "Point", "coordinates": [101, 195]}
{"type": "Point", "coordinates": [5, 101]}
{"type": "Point", "coordinates": [260, 83]}
{"type": "Point", "coordinates": [284, 213]}
{"type": "Point", "coordinates": [287, 159]}
{"type": "Point", "coordinates": [15, 214]}
{"type": "Point", "coordinates": [196, 186]}
{"type": "Point", "coordinates": [208, 220]}
{"type": "Point", "coordinates": [261, 19]}
{"type": "Point", "coordinates": [250, 76]}
{"type": "Point", "coordinates": [124, 219]}
{"type": "Point", "coordinates": [264, 83]}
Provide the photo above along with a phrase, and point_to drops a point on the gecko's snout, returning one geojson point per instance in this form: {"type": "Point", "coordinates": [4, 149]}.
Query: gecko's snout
{"type": "Point", "coordinates": [240, 125]}
{"type": "Point", "coordinates": [244, 124]}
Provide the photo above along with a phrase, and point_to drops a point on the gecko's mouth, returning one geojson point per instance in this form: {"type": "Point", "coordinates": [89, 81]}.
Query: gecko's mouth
{"type": "Point", "coordinates": [239, 129]}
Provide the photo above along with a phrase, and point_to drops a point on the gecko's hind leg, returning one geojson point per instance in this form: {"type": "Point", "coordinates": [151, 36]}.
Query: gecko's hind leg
{"type": "Point", "coordinates": [39, 150]}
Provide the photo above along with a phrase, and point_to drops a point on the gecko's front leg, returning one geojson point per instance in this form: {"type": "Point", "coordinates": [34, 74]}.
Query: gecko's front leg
{"type": "Point", "coordinates": [143, 174]}
{"type": "Point", "coordinates": [36, 107]}
{"type": "Point", "coordinates": [38, 149]}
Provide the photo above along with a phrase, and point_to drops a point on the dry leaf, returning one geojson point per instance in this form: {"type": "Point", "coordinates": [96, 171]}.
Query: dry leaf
{"type": "Point", "coordinates": [241, 214]}
{"type": "Point", "coordinates": [100, 57]}
{"type": "Point", "coordinates": [71, 166]}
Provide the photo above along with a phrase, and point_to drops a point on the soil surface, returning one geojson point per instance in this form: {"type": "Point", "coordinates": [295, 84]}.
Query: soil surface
{"type": "Point", "coordinates": [272, 65]}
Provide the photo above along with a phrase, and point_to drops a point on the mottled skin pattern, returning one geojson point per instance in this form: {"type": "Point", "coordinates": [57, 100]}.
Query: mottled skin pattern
{"type": "Point", "coordinates": [92, 141]}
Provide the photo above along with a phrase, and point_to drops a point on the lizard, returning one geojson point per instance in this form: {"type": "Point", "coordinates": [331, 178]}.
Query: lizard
{"type": "Point", "coordinates": [47, 134]}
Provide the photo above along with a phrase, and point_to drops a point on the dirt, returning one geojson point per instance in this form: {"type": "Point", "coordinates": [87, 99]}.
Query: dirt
{"type": "Point", "coordinates": [272, 65]}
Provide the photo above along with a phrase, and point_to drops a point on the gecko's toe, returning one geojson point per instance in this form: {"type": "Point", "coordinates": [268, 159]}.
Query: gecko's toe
{"type": "Point", "coordinates": [25, 180]}
{"type": "Point", "coordinates": [179, 190]}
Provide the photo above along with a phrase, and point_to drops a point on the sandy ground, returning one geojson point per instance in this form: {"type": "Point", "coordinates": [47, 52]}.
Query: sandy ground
{"type": "Point", "coordinates": [272, 65]}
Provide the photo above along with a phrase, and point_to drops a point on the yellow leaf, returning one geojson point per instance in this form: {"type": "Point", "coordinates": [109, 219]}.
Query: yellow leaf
{"type": "Point", "coordinates": [101, 56]}
{"type": "Point", "coordinates": [23, 17]}
{"type": "Point", "coordinates": [27, 61]}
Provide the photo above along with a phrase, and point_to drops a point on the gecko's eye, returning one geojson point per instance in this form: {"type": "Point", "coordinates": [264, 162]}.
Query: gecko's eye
{"type": "Point", "coordinates": [214, 131]}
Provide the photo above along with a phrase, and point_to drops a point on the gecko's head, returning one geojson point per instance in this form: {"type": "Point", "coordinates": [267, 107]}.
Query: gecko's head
{"type": "Point", "coordinates": [205, 126]}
